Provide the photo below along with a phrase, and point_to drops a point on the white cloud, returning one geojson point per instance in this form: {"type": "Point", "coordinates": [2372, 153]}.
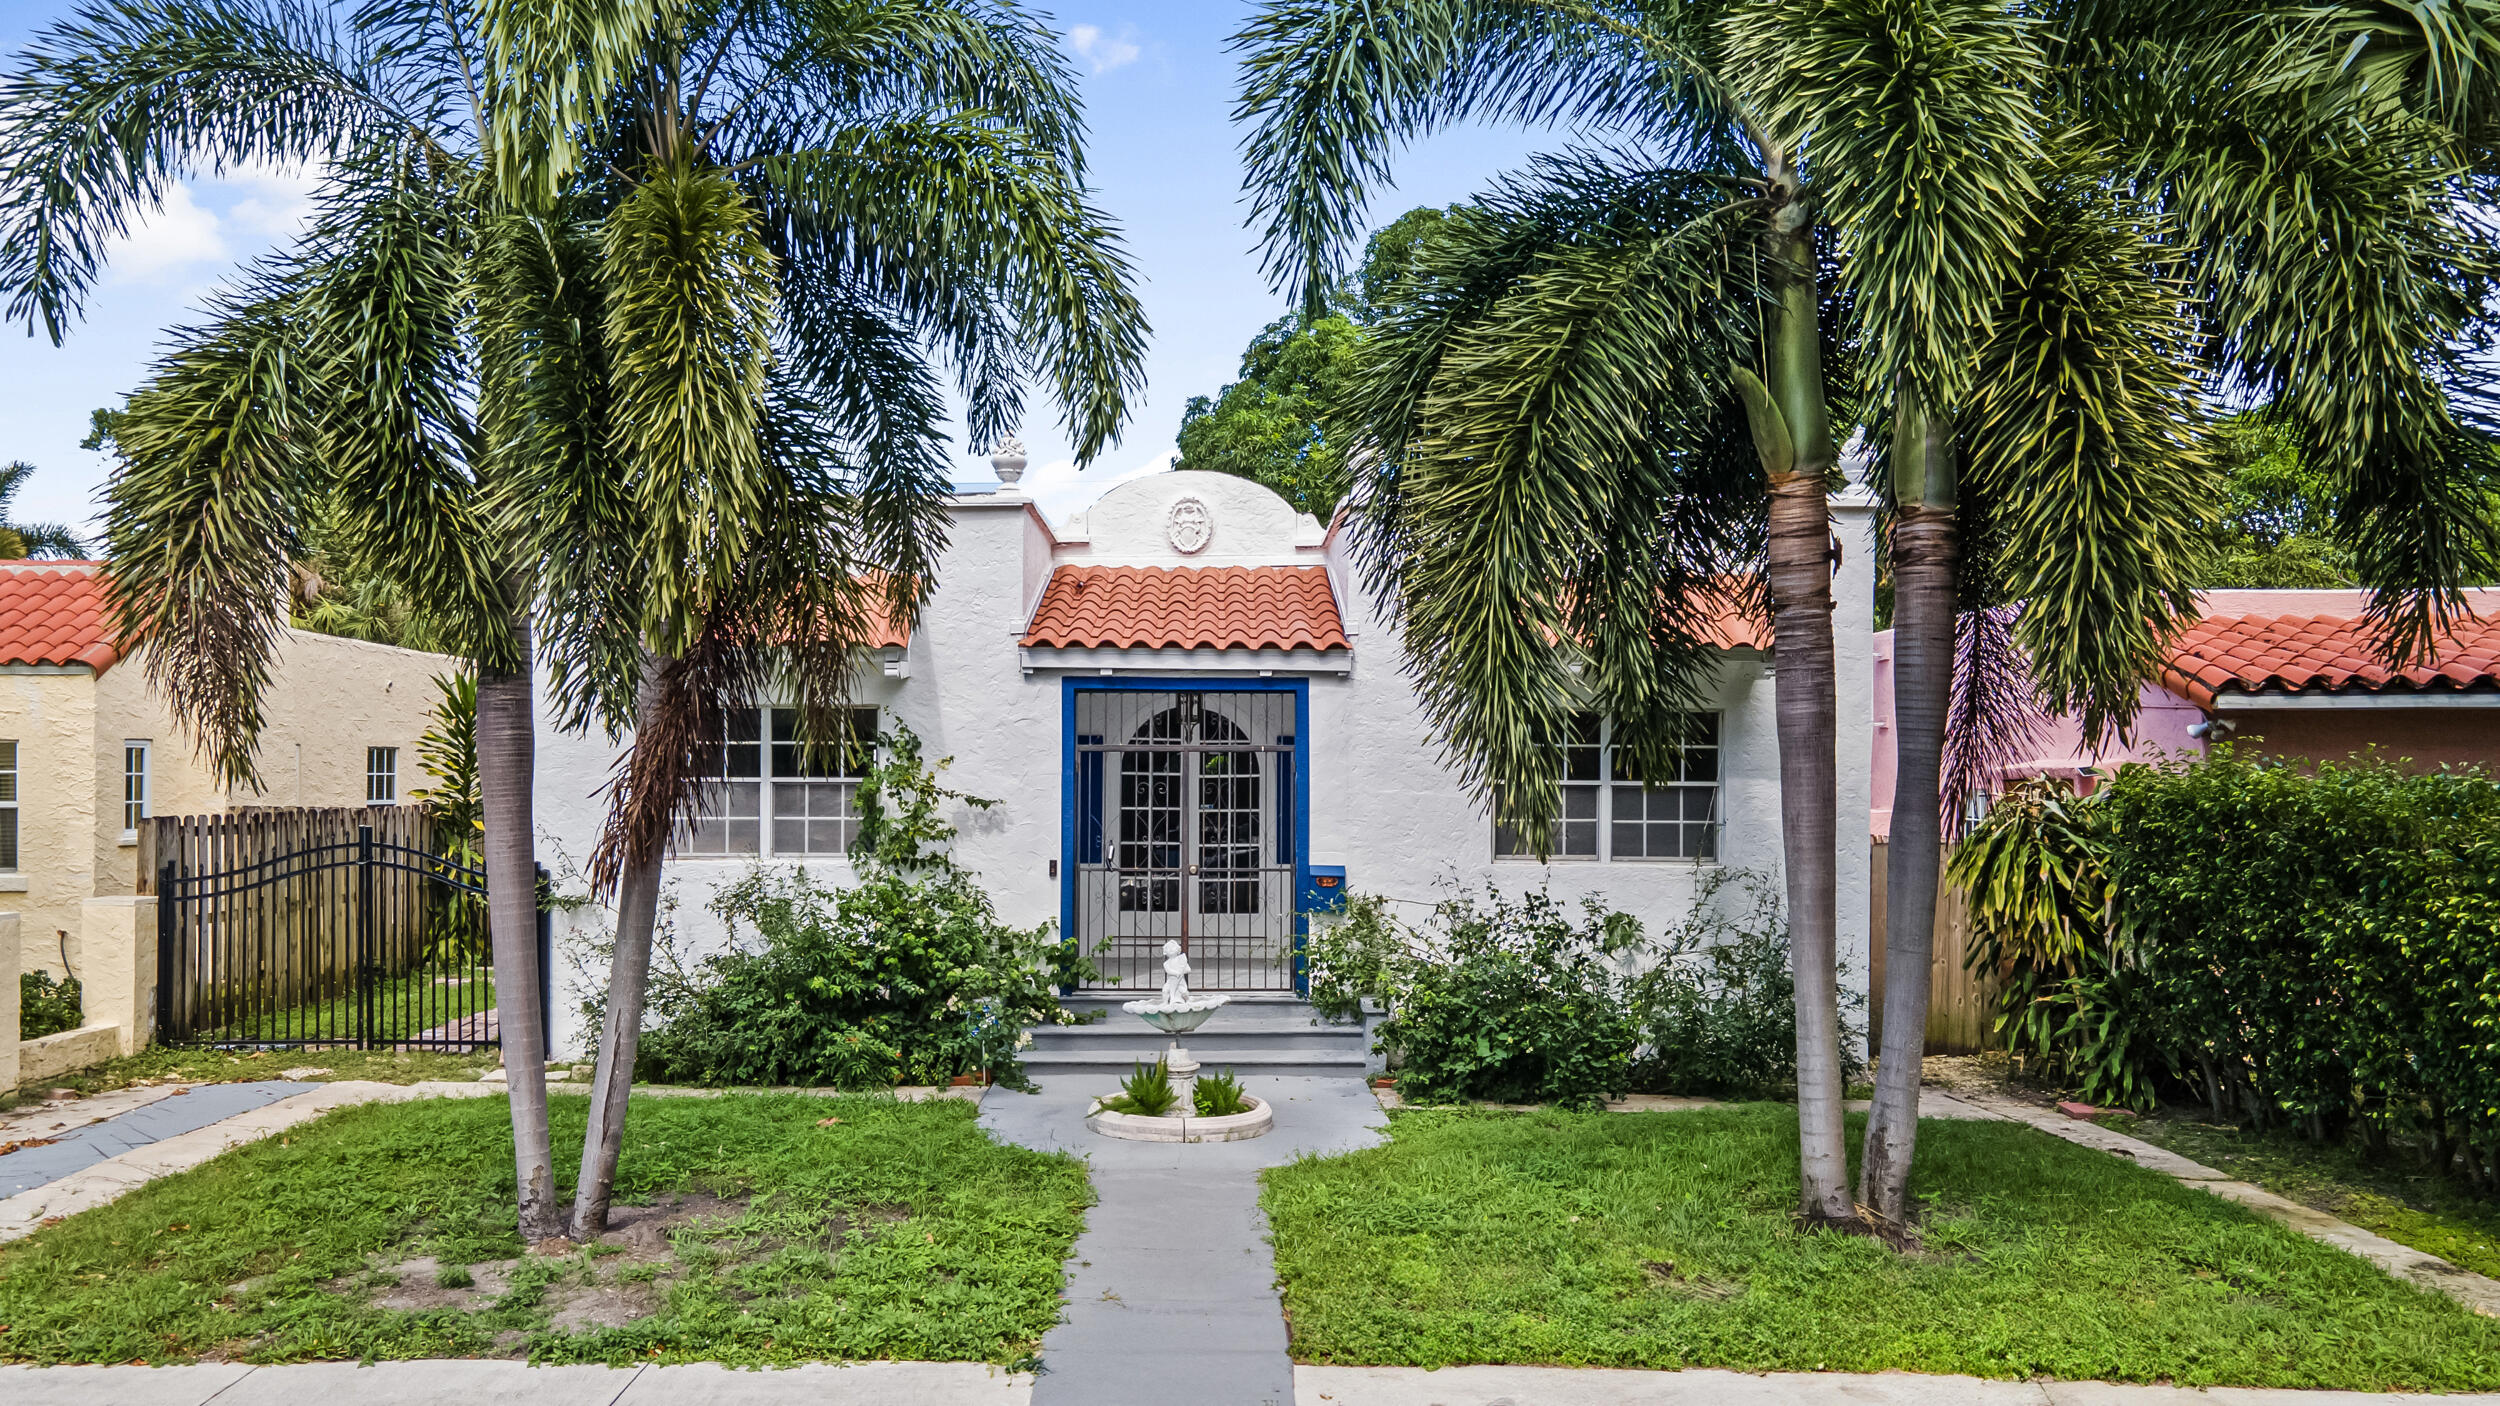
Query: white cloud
{"type": "Point", "coordinates": [1061, 491]}
{"type": "Point", "coordinates": [169, 240]}
{"type": "Point", "coordinates": [216, 221]}
{"type": "Point", "coordinates": [276, 204]}
{"type": "Point", "coordinates": [1105, 52]}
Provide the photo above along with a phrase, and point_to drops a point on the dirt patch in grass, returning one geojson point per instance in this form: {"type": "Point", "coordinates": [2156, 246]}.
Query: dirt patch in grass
{"type": "Point", "coordinates": [574, 1308]}
{"type": "Point", "coordinates": [747, 1232]}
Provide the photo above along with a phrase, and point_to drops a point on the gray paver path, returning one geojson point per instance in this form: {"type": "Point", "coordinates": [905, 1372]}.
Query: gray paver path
{"type": "Point", "coordinates": [183, 1110]}
{"type": "Point", "coordinates": [1171, 1294]}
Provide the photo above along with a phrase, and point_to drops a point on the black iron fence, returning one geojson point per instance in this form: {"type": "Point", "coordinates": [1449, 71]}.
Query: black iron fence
{"type": "Point", "coordinates": [281, 929]}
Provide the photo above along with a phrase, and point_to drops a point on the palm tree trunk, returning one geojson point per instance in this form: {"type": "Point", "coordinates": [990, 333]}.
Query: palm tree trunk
{"type": "Point", "coordinates": [506, 753]}
{"type": "Point", "coordinates": [629, 983]}
{"type": "Point", "coordinates": [1807, 703]}
{"type": "Point", "coordinates": [1923, 558]}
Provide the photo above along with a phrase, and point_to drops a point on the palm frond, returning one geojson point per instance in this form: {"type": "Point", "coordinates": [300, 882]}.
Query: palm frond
{"type": "Point", "coordinates": [690, 303]}
{"type": "Point", "coordinates": [549, 69]}
{"type": "Point", "coordinates": [1919, 123]}
{"type": "Point", "coordinates": [968, 229]}
{"type": "Point", "coordinates": [2083, 440]}
{"type": "Point", "coordinates": [201, 518]}
{"type": "Point", "coordinates": [110, 107]}
{"type": "Point", "coordinates": [390, 251]}
{"type": "Point", "coordinates": [1331, 88]}
{"type": "Point", "coordinates": [1545, 488]}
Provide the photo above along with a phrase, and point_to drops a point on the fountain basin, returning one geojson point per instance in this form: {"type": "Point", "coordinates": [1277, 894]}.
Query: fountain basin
{"type": "Point", "coordinates": [1176, 1017]}
{"type": "Point", "coordinates": [1173, 1127]}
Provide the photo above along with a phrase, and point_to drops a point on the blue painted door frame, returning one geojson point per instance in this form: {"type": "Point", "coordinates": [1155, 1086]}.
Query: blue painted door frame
{"type": "Point", "coordinates": [1070, 794]}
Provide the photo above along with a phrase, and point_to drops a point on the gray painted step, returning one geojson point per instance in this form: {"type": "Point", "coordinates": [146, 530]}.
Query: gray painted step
{"type": "Point", "coordinates": [1268, 1034]}
{"type": "Point", "coordinates": [1282, 1063]}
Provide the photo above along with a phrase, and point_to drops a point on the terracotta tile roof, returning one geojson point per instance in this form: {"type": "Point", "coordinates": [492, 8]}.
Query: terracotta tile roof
{"type": "Point", "coordinates": [52, 612]}
{"type": "Point", "coordinates": [2324, 653]}
{"type": "Point", "coordinates": [1192, 607]}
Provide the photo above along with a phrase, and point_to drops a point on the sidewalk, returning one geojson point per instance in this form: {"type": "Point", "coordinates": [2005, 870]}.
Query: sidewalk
{"type": "Point", "coordinates": [970, 1384]}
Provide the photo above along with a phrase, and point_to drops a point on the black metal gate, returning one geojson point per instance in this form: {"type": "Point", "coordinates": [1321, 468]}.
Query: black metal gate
{"type": "Point", "coordinates": [285, 938]}
{"type": "Point", "coordinates": [1185, 833]}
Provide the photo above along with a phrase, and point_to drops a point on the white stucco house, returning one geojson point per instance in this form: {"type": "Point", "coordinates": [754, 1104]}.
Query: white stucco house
{"type": "Point", "coordinates": [1196, 726]}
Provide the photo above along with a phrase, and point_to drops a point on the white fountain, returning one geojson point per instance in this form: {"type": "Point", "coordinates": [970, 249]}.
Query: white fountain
{"type": "Point", "coordinates": [1176, 1013]}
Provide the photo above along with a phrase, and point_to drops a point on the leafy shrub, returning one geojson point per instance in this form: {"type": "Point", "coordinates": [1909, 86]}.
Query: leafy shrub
{"type": "Point", "coordinates": [1717, 1006]}
{"type": "Point", "coordinates": [1354, 957]}
{"type": "Point", "coordinates": [2310, 949]}
{"type": "Point", "coordinates": [1519, 1004]}
{"type": "Point", "coordinates": [905, 976]}
{"type": "Point", "coordinates": [1146, 1092]}
{"type": "Point", "coordinates": [47, 1007]}
{"type": "Point", "coordinates": [1219, 1096]}
{"type": "Point", "coordinates": [2037, 874]}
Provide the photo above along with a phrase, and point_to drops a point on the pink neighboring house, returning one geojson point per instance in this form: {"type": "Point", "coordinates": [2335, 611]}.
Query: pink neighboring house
{"type": "Point", "coordinates": [2289, 671]}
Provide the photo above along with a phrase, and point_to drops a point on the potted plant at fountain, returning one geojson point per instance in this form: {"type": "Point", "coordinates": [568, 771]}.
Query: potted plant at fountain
{"type": "Point", "coordinates": [1167, 1102]}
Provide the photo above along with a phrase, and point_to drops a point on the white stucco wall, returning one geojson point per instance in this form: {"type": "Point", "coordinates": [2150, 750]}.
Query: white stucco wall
{"type": "Point", "coordinates": [1380, 802]}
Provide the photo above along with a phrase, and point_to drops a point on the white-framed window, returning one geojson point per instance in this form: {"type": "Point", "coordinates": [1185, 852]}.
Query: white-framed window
{"type": "Point", "coordinates": [1610, 815]}
{"type": "Point", "coordinates": [8, 807]}
{"type": "Point", "coordinates": [134, 787]}
{"type": "Point", "coordinates": [769, 797]}
{"type": "Point", "coordinates": [381, 776]}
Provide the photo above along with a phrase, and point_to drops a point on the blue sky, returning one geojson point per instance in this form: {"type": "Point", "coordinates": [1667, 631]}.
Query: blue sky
{"type": "Point", "coordinates": [1159, 88]}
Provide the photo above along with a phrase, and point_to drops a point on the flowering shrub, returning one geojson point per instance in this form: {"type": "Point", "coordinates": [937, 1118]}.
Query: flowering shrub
{"type": "Point", "coordinates": [904, 977]}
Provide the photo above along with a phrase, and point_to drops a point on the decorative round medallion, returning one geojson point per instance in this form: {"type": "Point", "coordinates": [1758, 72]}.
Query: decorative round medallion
{"type": "Point", "coordinates": [1191, 527]}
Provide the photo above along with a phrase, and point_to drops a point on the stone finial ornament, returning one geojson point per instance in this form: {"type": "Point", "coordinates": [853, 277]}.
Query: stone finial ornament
{"type": "Point", "coordinates": [1008, 461]}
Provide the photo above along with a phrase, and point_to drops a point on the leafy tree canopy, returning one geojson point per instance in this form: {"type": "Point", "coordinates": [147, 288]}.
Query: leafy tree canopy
{"type": "Point", "coordinates": [2276, 527]}
{"type": "Point", "coordinates": [1272, 425]}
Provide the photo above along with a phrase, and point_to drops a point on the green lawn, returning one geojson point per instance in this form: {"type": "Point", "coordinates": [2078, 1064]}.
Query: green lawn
{"type": "Point", "coordinates": [899, 1230]}
{"type": "Point", "coordinates": [2394, 1195]}
{"type": "Point", "coordinates": [1664, 1240]}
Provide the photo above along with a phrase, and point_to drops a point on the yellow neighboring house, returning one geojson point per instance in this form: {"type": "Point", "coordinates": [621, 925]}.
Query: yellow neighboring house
{"type": "Point", "coordinates": [88, 749]}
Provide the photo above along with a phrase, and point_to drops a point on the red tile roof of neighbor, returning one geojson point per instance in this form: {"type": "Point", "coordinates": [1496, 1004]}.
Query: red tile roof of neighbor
{"type": "Point", "coordinates": [52, 612]}
{"type": "Point", "coordinates": [2321, 653]}
{"type": "Point", "coordinates": [1190, 607]}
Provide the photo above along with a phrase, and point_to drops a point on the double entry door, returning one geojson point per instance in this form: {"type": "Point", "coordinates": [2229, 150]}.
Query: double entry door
{"type": "Point", "coordinates": [1185, 832]}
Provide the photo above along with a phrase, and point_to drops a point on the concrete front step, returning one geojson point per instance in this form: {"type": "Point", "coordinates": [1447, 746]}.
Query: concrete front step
{"type": "Point", "coordinates": [1045, 1064]}
{"type": "Point", "coordinates": [1264, 1033]}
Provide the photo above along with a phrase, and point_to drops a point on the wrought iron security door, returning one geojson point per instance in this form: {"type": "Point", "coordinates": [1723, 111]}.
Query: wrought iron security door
{"type": "Point", "coordinates": [1185, 831]}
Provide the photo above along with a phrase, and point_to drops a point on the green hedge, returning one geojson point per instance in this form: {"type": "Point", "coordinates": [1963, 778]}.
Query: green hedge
{"type": "Point", "coordinates": [2312, 948]}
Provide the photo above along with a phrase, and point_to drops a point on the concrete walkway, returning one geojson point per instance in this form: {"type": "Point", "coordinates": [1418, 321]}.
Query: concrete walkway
{"type": "Point", "coordinates": [76, 1147]}
{"type": "Point", "coordinates": [467, 1383]}
{"type": "Point", "coordinates": [111, 1178]}
{"type": "Point", "coordinates": [1171, 1292]}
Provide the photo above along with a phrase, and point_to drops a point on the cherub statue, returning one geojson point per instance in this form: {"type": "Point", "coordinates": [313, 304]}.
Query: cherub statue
{"type": "Point", "coordinates": [1175, 975]}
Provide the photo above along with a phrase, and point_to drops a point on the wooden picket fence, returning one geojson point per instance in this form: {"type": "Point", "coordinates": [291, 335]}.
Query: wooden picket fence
{"type": "Point", "coordinates": [296, 926]}
{"type": "Point", "coordinates": [1962, 1007]}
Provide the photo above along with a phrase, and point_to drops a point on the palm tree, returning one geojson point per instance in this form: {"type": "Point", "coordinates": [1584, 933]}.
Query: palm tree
{"type": "Point", "coordinates": [31, 539]}
{"type": "Point", "coordinates": [1616, 381]}
{"type": "Point", "coordinates": [2235, 199]}
{"type": "Point", "coordinates": [1558, 426]}
{"type": "Point", "coordinates": [342, 382]}
{"type": "Point", "coordinates": [785, 202]}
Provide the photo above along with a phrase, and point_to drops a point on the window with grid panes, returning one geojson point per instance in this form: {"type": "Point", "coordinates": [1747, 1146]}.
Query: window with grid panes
{"type": "Point", "coordinates": [770, 795]}
{"type": "Point", "coordinates": [815, 795]}
{"type": "Point", "coordinates": [1609, 814]}
{"type": "Point", "coordinates": [8, 807]}
{"type": "Point", "coordinates": [134, 786]}
{"type": "Point", "coordinates": [381, 776]}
